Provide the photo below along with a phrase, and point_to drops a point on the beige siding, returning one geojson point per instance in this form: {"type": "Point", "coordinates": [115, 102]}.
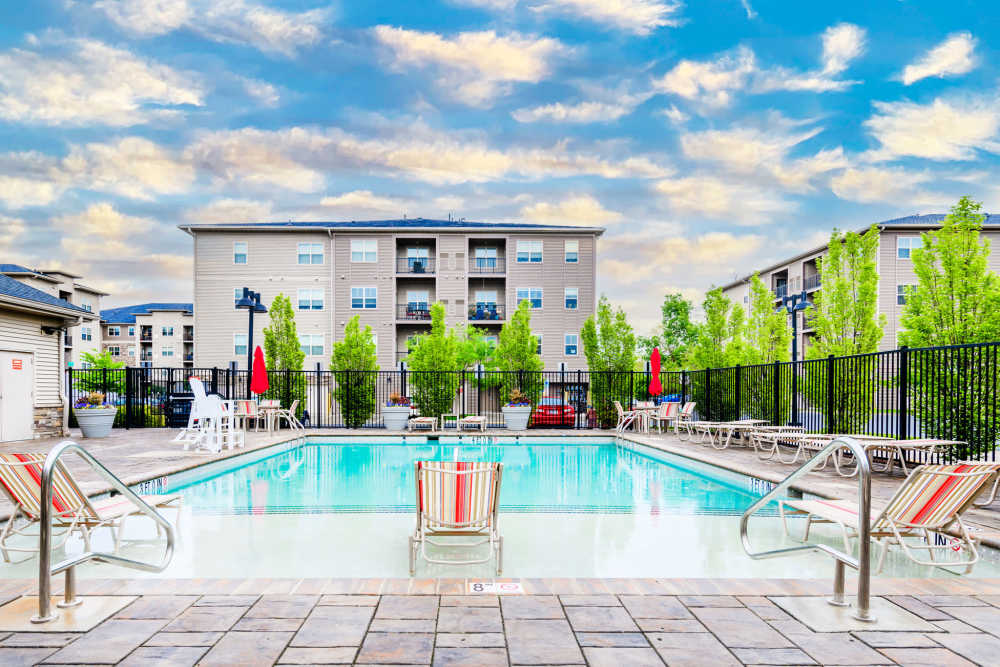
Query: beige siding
{"type": "Point", "coordinates": [22, 332]}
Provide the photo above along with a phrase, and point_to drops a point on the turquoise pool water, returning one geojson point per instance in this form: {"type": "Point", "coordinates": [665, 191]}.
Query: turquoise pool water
{"type": "Point", "coordinates": [565, 476]}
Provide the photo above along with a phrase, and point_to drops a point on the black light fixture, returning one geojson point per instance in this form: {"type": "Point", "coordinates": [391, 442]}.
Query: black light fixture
{"type": "Point", "coordinates": [250, 301]}
{"type": "Point", "coordinates": [793, 304]}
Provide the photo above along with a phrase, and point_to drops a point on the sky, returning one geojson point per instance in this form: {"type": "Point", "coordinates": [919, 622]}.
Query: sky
{"type": "Point", "coordinates": [709, 137]}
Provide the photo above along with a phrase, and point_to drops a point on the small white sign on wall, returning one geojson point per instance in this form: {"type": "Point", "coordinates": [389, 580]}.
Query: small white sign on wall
{"type": "Point", "coordinates": [494, 588]}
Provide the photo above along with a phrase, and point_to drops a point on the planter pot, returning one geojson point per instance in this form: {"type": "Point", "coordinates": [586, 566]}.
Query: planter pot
{"type": "Point", "coordinates": [96, 423]}
{"type": "Point", "coordinates": [516, 416]}
{"type": "Point", "coordinates": [396, 417]}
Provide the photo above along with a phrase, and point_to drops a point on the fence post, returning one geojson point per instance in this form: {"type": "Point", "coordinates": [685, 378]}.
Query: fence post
{"type": "Point", "coordinates": [104, 382]}
{"type": "Point", "coordinates": [684, 384]}
{"type": "Point", "coordinates": [479, 390]}
{"type": "Point", "coordinates": [708, 393]}
{"type": "Point", "coordinates": [904, 392]}
{"type": "Point", "coordinates": [315, 421]}
{"type": "Point", "coordinates": [215, 380]}
{"type": "Point", "coordinates": [739, 395]}
{"type": "Point", "coordinates": [288, 388]}
{"type": "Point", "coordinates": [831, 423]}
{"type": "Point", "coordinates": [128, 398]}
{"type": "Point", "coordinates": [345, 408]}
{"type": "Point", "coordinates": [775, 392]}
{"type": "Point", "coordinates": [402, 379]}
{"type": "Point", "coordinates": [631, 389]}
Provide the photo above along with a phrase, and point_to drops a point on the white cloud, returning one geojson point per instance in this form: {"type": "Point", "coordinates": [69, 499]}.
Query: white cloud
{"type": "Point", "coordinates": [578, 210]}
{"type": "Point", "coordinates": [260, 157]}
{"type": "Point", "coordinates": [83, 82]}
{"type": "Point", "coordinates": [639, 17]}
{"type": "Point", "coordinates": [228, 21]}
{"type": "Point", "coordinates": [713, 197]}
{"type": "Point", "coordinates": [636, 258]}
{"type": "Point", "coordinates": [582, 112]}
{"type": "Point", "coordinates": [842, 43]}
{"type": "Point", "coordinates": [475, 67]}
{"type": "Point", "coordinates": [941, 130]}
{"type": "Point", "coordinates": [751, 14]}
{"type": "Point", "coordinates": [17, 192]}
{"type": "Point", "coordinates": [487, 4]}
{"type": "Point", "coordinates": [950, 57]}
{"type": "Point", "coordinates": [877, 185]}
{"type": "Point", "coordinates": [675, 115]}
{"type": "Point", "coordinates": [231, 210]}
{"type": "Point", "coordinates": [103, 222]}
{"type": "Point", "coordinates": [262, 91]}
{"type": "Point", "coordinates": [10, 230]}
{"type": "Point", "coordinates": [709, 82]}
{"type": "Point", "coordinates": [362, 200]}
{"type": "Point", "coordinates": [132, 167]}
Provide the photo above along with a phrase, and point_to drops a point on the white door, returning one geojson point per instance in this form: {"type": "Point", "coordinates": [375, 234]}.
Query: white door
{"type": "Point", "coordinates": [17, 395]}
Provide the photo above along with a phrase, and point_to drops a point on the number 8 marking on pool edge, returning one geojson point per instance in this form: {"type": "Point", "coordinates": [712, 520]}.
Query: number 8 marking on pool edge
{"type": "Point", "coordinates": [477, 588]}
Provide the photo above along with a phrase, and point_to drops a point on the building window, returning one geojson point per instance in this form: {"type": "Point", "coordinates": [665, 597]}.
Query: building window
{"type": "Point", "coordinates": [240, 252]}
{"type": "Point", "coordinates": [906, 244]}
{"type": "Point", "coordinates": [416, 259]}
{"type": "Point", "coordinates": [237, 295]}
{"type": "Point", "coordinates": [167, 331]}
{"type": "Point", "coordinates": [114, 350]}
{"type": "Point", "coordinates": [529, 252]}
{"type": "Point", "coordinates": [570, 344]}
{"type": "Point", "coordinates": [131, 351]}
{"type": "Point", "coordinates": [572, 297]}
{"type": "Point", "coordinates": [486, 259]}
{"type": "Point", "coordinates": [417, 300]}
{"type": "Point", "coordinates": [86, 333]}
{"type": "Point", "coordinates": [572, 252]}
{"type": "Point", "coordinates": [486, 297]}
{"type": "Point", "coordinates": [902, 291]}
{"type": "Point", "coordinates": [240, 345]}
{"type": "Point", "coordinates": [310, 299]}
{"type": "Point", "coordinates": [131, 332]}
{"type": "Point", "coordinates": [532, 294]}
{"type": "Point", "coordinates": [495, 340]}
{"type": "Point", "coordinates": [167, 351]}
{"type": "Point", "coordinates": [364, 250]}
{"type": "Point", "coordinates": [310, 253]}
{"type": "Point", "coordinates": [364, 297]}
{"type": "Point", "coordinates": [312, 344]}
{"type": "Point", "coordinates": [538, 349]}
{"type": "Point", "coordinates": [87, 306]}
{"type": "Point", "coordinates": [114, 331]}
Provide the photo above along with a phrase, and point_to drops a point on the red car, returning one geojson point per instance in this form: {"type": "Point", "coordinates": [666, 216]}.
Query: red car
{"type": "Point", "coordinates": [553, 411]}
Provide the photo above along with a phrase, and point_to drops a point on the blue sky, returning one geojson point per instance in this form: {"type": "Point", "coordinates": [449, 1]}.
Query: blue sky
{"type": "Point", "coordinates": [707, 137]}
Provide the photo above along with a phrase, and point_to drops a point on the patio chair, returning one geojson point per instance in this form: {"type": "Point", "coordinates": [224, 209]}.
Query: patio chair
{"type": "Point", "coordinates": [288, 414]}
{"type": "Point", "coordinates": [244, 412]}
{"type": "Point", "coordinates": [634, 418]}
{"type": "Point", "coordinates": [472, 422]}
{"type": "Point", "coordinates": [422, 423]}
{"type": "Point", "coordinates": [931, 500]}
{"type": "Point", "coordinates": [21, 479]}
{"type": "Point", "coordinates": [457, 499]}
{"type": "Point", "coordinates": [666, 414]}
{"type": "Point", "coordinates": [685, 415]}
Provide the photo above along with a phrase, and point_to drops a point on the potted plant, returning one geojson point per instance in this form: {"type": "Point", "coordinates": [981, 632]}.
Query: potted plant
{"type": "Point", "coordinates": [517, 411]}
{"type": "Point", "coordinates": [95, 415]}
{"type": "Point", "coordinates": [396, 412]}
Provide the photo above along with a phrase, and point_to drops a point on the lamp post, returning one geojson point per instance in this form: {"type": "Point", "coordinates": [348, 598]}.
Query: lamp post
{"type": "Point", "coordinates": [251, 302]}
{"type": "Point", "coordinates": [792, 304]}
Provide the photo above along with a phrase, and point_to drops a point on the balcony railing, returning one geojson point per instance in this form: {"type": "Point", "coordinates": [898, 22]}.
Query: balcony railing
{"type": "Point", "coordinates": [418, 312]}
{"type": "Point", "coordinates": [146, 338]}
{"type": "Point", "coordinates": [486, 312]}
{"type": "Point", "coordinates": [415, 265]}
{"type": "Point", "coordinates": [488, 264]}
{"type": "Point", "coordinates": [781, 291]}
{"type": "Point", "coordinates": [811, 282]}
{"type": "Point", "coordinates": [188, 357]}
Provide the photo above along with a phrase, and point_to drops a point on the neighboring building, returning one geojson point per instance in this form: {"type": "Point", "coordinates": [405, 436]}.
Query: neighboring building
{"type": "Point", "coordinates": [150, 334]}
{"type": "Point", "coordinates": [32, 359]}
{"type": "Point", "coordinates": [389, 272]}
{"type": "Point", "coordinates": [896, 240]}
{"type": "Point", "coordinates": [85, 337]}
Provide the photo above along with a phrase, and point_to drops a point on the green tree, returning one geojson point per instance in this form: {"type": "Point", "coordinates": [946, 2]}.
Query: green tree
{"type": "Point", "coordinates": [101, 374]}
{"type": "Point", "coordinates": [434, 364]}
{"type": "Point", "coordinates": [283, 352]}
{"type": "Point", "coordinates": [718, 344]}
{"type": "Point", "coordinates": [956, 301]}
{"type": "Point", "coordinates": [517, 357]}
{"type": "Point", "coordinates": [768, 339]}
{"type": "Point", "coordinates": [845, 320]}
{"type": "Point", "coordinates": [354, 367]}
{"type": "Point", "coordinates": [609, 345]}
{"type": "Point", "coordinates": [677, 331]}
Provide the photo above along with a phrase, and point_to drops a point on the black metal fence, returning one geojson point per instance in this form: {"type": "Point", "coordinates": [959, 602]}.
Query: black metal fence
{"type": "Point", "coordinates": [942, 392]}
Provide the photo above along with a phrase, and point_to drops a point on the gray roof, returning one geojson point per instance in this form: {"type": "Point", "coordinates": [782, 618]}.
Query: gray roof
{"type": "Point", "coordinates": [126, 314]}
{"type": "Point", "coordinates": [407, 223]}
{"type": "Point", "coordinates": [18, 290]}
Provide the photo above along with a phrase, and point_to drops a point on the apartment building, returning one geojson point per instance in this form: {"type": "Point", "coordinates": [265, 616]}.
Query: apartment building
{"type": "Point", "coordinates": [897, 239]}
{"type": "Point", "coordinates": [78, 338]}
{"type": "Point", "coordinates": [389, 272]}
{"type": "Point", "coordinates": [150, 334]}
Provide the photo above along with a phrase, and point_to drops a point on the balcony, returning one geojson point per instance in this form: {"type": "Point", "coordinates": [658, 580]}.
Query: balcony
{"type": "Point", "coordinates": [811, 282]}
{"type": "Point", "coordinates": [145, 357]}
{"type": "Point", "coordinates": [488, 265]}
{"type": "Point", "coordinates": [413, 312]}
{"type": "Point", "coordinates": [781, 291]}
{"type": "Point", "coordinates": [146, 338]}
{"type": "Point", "coordinates": [189, 357]}
{"type": "Point", "coordinates": [486, 312]}
{"type": "Point", "coordinates": [188, 334]}
{"type": "Point", "coordinates": [415, 266]}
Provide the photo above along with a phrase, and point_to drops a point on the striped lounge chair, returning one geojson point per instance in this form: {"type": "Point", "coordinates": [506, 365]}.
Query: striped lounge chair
{"type": "Point", "coordinates": [931, 500]}
{"type": "Point", "coordinates": [457, 498]}
{"type": "Point", "coordinates": [20, 479]}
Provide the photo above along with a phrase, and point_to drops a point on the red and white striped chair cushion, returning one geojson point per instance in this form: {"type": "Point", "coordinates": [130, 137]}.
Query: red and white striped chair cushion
{"type": "Point", "coordinates": [457, 494]}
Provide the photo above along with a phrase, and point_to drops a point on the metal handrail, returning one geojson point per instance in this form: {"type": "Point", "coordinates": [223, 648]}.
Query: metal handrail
{"type": "Point", "coordinates": [46, 569]}
{"type": "Point", "coordinates": [863, 562]}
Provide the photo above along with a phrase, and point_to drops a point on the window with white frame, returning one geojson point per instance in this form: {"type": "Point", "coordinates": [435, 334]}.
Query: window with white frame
{"type": "Point", "coordinates": [310, 253]}
{"type": "Point", "coordinates": [87, 306]}
{"type": "Point", "coordinates": [86, 333]}
{"type": "Point", "coordinates": [237, 295]}
{"type": "Point", "coordinates": [240, 252]}
{"type": "Point", "coordinates": [364, 250]}
{"type": "Point", "coordinates": [166, 331]}
{"type": "Point", "coordinates": [312, 344]}
{"type": "Point", "coordinates": [494, 340]}
{"type": "Point", "coordinates": [532, 294]}
{"type": "Point", "coordinates": [310, 299]}
{"type": "Point", "coordinates": [417, 259]}
{"type": "Point", "coordinates": [529, 252]}
{"type": "Point", "coordinates": [167, 351]}
{"type": "Point", "coordinates": [572, 295]}
{"type": "Point", "coordinates": [538, 349]}
{"type": "Point", "coordinates": [570, 344]}
{"type": "Point", "coordinates": [486, 259]}
{"type": "Point", "coordinates": [131, 332]}
{"type": "Point", "coordinates": [417, 299]}
{"type": "Point", "coordinates": [364, 297]}
{"type": "Point", "coordinates": [572, 252]}
{"type": "Point", "coordinates": [902, 291]}
{"type": "Point", "coordinates": [114, 331]}
{"type": "Point", "coordinates": [906, 244]}
{"type": "Point", "coordinates": [486, 297]}
{"type": "Point", "coordinates": [131, 351]}
{"type": "Point", "coordinates": [114, 350]}
{"type": "Point", "coordinates": [240, 345]}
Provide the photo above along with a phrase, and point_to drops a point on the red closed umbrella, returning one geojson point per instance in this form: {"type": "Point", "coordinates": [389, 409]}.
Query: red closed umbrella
{"type": "Point", "coordinates": [258, 384]}
{"type": "Point", "coordinates": [655, 388]}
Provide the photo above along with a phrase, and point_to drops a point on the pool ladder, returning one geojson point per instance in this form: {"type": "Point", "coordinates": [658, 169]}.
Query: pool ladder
{"type": "Point", "coordinates": [862, 563]}
{"type": "Point", "coordinates": [45, 567]}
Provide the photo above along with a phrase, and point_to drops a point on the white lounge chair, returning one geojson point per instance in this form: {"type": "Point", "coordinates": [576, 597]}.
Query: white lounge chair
{"type": "Point", "coordinates": [472, 422]}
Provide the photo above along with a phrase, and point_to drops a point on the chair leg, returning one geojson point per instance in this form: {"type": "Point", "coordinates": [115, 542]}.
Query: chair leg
{"type": "Point", "coordinates": [500, 555]}
{"type": "Point", "coordinates": [413, 556]}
